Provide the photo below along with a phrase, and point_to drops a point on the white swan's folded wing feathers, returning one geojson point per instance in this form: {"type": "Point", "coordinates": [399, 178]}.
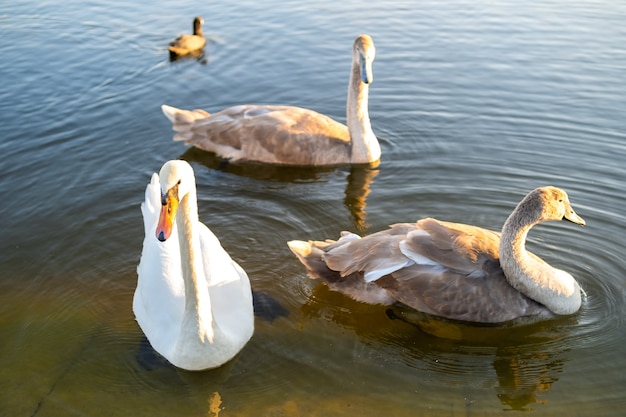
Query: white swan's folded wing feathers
{"type": "Point", "coordinates": [157, 302]}
{"type": "Point", "coordinates": [228, 286]}
{"type": "Point", "coordinates": [219, 267]}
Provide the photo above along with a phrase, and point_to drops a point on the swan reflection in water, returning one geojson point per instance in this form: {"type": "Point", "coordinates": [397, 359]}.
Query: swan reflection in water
{"type": "Point", "coordinates": [526, 360]}
{"type": "Point", "coordinates": [359, 179]}
{"type": "Point", "coordinates": [523, 377]}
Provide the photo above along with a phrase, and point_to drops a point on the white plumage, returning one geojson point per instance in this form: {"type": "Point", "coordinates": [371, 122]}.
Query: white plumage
{"type": "Point", "coordinates": [192, 301]}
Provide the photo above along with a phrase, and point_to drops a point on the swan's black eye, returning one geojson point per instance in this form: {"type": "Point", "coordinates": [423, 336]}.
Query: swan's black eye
{"type": "Point", "coordinates": [560, 200]}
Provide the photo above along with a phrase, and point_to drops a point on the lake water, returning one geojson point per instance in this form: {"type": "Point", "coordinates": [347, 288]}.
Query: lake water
{"type": "Point", "coordinates": [475, 103]}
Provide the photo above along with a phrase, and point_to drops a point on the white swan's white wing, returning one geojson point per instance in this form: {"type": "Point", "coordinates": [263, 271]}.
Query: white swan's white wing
{"type": "Point", "coordinates": [158, 302]}
{"type": "Point", "coordinates": [229, 290]}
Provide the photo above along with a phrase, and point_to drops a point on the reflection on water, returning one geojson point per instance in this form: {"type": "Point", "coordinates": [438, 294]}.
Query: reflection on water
{"type": "Point", "coordinates": [526, 359]}
{"type": "Point", "coordinates": [524, 377]}
{"type": "Point", "coordinates": [359, 181]}
{"type": "Point", "coordinates": [475, 103]}
{"type": "Point", "coordinates": [198, 55]}
{"type": "Point", "coordinates": [260, 172]}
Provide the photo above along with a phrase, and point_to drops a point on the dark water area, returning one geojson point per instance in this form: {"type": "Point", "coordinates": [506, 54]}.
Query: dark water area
{"type": "Point", "coordinates": [474, 103]}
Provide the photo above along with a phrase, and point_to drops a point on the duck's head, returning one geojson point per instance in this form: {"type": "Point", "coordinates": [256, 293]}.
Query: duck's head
{"type": "Point", "coordinates": [364, 53]}
{"type": "Point", "coordinates": [551, 203]}
{"type": "Point", "coordinates": [177, 180]}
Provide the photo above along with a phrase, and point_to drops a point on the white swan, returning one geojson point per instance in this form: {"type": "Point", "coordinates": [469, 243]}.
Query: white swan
{"type": "Point", "coordinates": [193, 302]}
{"type": "Point", "coordinates": [453, 270]}
{"type": "Point", "coordinates": [289, 135]}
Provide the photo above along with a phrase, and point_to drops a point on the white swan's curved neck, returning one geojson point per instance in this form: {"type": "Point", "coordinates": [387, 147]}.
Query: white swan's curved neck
{"type": "Point", "coordinates": [197, 318]}
{"type": "Point", "coordinates": [555, 289]}
{"type": "Point", "coordinates": [365, 146]}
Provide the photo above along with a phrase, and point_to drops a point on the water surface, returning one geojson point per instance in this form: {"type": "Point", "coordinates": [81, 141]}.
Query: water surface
{"type": "Point", "coordinates": [475, 104]}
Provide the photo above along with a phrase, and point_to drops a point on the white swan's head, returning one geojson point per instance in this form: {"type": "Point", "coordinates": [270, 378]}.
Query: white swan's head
{"type": "Point", "coordinates": [177, 180]}
{"type": "Point", "coordinates": [364, 53]}
{"type": "Point", "coordinates": [549, 203]}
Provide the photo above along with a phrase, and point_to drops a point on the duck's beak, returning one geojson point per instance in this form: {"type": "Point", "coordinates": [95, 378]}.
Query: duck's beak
{"type": "Point", "coordinates": [571, 215]}
{"type": "Point", "coordinates": [169, 207]}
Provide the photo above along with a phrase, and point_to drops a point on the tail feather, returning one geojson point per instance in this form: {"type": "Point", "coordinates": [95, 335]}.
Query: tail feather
{"type": "Point", "coordinates": [183, 120]}
{"type": "Point", "coordinates": [178, 51]}
{"type": "Point", "coordinates": [312, 256]}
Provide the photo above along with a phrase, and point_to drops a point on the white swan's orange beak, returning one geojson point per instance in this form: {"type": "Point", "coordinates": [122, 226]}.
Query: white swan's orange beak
{"type": "Point", "coordinates": [169, 207]}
